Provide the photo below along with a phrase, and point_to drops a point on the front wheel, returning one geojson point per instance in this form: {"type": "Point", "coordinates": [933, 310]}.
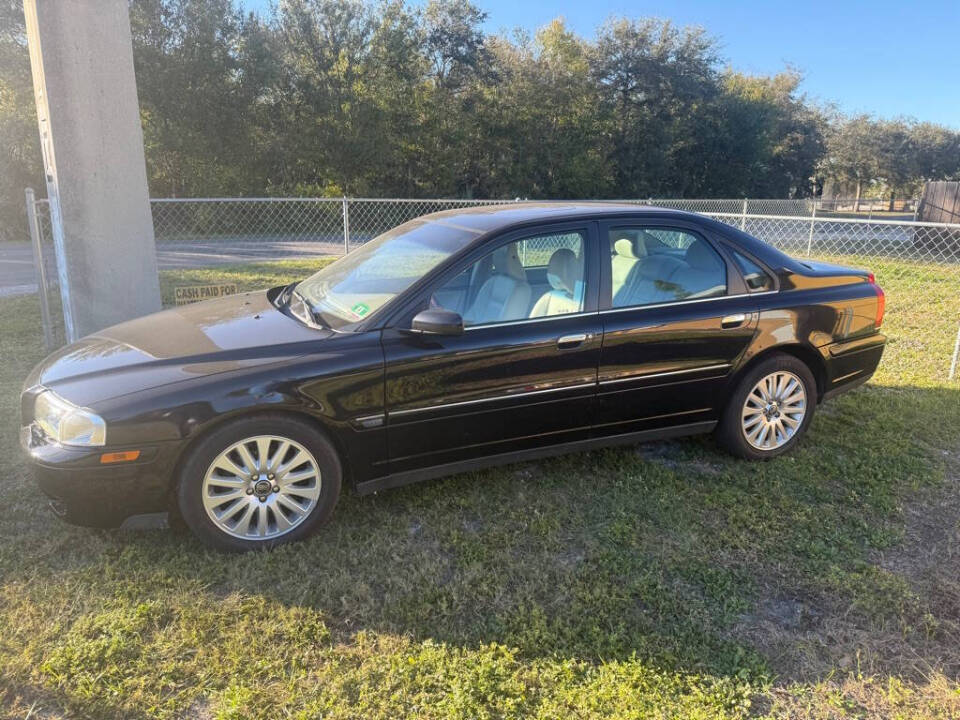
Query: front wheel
{"type": "Point", "coordinates": [259, 482]}
{"type": "Point", "coordinates": [769, 410]}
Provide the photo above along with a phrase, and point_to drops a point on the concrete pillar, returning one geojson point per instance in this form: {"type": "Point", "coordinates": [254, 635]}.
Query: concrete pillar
{"type": "Point", "coordinates": [82, 60]}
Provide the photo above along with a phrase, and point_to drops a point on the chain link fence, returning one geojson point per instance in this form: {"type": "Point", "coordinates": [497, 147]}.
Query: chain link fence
{"type": "Point", "coordinates": [918, 263]}
{"type": "Point", "coordinates": [46, 270]}
{"type": "Point", "coordinates": [839, 208]}
{"type": "Point", "coordinates": [737, 206]}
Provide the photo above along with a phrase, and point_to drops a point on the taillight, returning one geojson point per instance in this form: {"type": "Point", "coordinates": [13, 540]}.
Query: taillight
{"type": "Point", "coordinates": [881, 300]}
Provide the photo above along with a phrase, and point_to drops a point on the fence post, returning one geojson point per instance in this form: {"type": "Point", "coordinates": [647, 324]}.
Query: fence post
{"type": "Point", "coordinates": [956, 354]}
{"type": "Point", "coordinates": [743, 216]}
{"type": "Point", "coordinates": [813, 220]}
{"type": "Point", "coordinates": [346, 225]}
{"type": "Point", "coordinates": [39, 268]}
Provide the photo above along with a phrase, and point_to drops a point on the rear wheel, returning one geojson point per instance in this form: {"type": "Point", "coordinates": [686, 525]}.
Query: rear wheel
{"type": "Point", "coordinates": [259, 482]}
{"type": "Point", "coordinates": [769, 410]}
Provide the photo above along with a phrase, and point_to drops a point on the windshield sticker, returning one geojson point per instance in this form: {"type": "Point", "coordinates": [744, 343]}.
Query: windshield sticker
{"type": "Point", "coordinates": [360, 309]}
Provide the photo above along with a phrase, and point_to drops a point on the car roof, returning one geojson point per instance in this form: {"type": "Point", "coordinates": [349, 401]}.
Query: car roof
{"type": "Point", "coordinates": [493, 218]}
{"type": "Point", "coordinates": [487, 220]}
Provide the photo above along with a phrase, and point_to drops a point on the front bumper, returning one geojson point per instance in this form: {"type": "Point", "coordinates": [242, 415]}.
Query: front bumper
{"type": "Point", "coordinates": [83, 491]}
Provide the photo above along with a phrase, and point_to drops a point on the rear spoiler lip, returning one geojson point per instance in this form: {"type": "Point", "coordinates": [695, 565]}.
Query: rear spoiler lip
{"type": "Point", "coordinates": [817, 268]}
{"type": "Point", "coordinates": [823, 276]}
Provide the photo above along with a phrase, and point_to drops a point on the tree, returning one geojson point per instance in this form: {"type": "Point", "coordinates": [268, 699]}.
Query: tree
{"type": "Point", "coordinates": [897, 167]}
{"type": "Point", "coordinates": [396, 81]}
{"type": "Point", "coordinates": [896, 156]}
{"type": "Point", "coordinates": [19, 140]}
{"type": "Point", "coordinates": [655, 81]}
{"type": "Point", "coordinates": [543, 129]}
{"type": "Point", "coordinates": [936, 152]}
{"type": "Point", "coordinates": [455, 43]}
{"type": "Point", "coordinates": [771, 138]}
{"type": "Point", "coordinates": [198, 94]}
{"type": "Point", "coordinates": [460, 69]}
{"type": "Point", "coordinates": [852, 153]}
{"type": "Point", "coordinates": [393, 98]}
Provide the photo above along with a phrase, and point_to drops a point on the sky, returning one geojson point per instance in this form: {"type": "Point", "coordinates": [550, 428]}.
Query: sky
{"type": "Point", "coordinates": [887, 58]}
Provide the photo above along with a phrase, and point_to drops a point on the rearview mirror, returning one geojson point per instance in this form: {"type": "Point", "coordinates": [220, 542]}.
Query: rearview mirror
{"type": "Point", "coordinates": [437, 321]}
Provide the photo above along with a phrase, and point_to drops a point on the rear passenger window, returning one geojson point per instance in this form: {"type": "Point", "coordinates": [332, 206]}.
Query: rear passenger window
{"type": "Point", "coordinates": [755, 276]}
{"type": "Point", "coordinates": [537, 251]}
{"type": "Point", "coordinates": [660, 265]}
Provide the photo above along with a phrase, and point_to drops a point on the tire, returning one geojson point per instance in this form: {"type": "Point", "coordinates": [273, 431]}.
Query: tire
{"type": "Point", "coordinates": [758, 430]}
{"type": "Point", "coordinates": [224, 482]}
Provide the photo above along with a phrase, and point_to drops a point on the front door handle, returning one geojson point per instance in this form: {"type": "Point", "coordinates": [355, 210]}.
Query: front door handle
{"type": "Point", "coordinates": [569, 341]}
{"type": "Point", "coordinates": [732, 321]}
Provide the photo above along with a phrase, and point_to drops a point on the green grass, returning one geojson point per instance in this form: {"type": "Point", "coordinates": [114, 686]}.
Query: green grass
{"type": "Point", "coordinates": [663, 580]}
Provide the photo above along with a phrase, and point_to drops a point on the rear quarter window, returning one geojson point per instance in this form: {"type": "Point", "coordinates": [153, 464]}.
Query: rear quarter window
{"type": "Point", "coordinates": [756, 278]}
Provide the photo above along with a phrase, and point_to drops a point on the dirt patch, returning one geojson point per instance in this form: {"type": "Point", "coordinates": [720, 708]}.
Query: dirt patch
{"type": "Point", "coordinates": [808, 639]}
{"type": "Point", "coordinates": [929, 560]}
{"type": "Point", "coordinates": [674, 455]}
{"type": "Point", "coordinates": [30, 703]}
{"type": "Point", "coordinates": [929, 557]}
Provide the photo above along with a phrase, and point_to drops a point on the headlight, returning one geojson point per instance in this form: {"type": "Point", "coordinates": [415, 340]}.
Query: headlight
{"type": "Point", "coordinates": [68, 424]}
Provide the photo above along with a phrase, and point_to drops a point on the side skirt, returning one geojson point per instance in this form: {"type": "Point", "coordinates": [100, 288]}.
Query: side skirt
{"type": "Point", "coordinates": [429, 473]}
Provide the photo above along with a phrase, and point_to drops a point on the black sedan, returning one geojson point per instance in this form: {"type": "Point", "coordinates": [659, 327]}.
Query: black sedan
{"type": "Point", "coordinates": [455, 341]}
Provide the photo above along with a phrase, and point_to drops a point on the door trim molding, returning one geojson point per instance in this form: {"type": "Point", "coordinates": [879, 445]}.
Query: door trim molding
{"type": "Point", "coordinates": [462, 403]}
{"type": "Point", "coordinates": [686, 371]}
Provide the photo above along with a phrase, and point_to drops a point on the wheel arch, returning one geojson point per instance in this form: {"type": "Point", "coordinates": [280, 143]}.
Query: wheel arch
{"type": "Point", "coordinates": [804, 353]}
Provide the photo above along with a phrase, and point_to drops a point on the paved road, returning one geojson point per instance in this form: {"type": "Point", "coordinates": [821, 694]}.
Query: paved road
{"type": "Point", "coordinates": [17, 275]}
{"type": "Point", "coordinates": [16, 269]}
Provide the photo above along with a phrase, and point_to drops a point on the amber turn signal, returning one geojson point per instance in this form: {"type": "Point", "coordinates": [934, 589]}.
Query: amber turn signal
{"type": "Point", "coordinates": [119, 457]}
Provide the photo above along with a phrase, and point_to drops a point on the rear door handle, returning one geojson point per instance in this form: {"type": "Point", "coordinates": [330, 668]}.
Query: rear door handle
{"type": "Point", "coordinates": [732, 321]}
{"type": "Point", "coordinates": [569, 341]}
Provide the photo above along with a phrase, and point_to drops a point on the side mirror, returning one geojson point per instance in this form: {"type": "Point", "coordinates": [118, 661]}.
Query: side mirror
{"type": "Point", "coordinates": [437, 321]}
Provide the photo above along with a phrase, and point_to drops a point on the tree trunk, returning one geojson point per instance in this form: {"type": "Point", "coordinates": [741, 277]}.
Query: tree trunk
{"type": "Point", "coordinates": [856, 202]}
{"type": "Point", "coordinates": [892, 195]}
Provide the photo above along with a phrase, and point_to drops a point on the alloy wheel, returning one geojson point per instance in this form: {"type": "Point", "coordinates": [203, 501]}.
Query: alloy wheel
{"type": "Point", "coordinates": [261, 487]}
{"type": "Point", "coordinates": [774, 410]}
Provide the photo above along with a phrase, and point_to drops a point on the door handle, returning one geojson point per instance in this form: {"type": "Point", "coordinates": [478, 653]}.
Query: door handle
{"type": "Point", "coordinates": [567, 341]}
{"type": "Point", "coordinates": [732, 321]}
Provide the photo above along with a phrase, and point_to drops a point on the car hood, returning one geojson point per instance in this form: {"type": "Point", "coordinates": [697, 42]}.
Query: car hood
{"type": "Point", "coordinates": [204, 338]}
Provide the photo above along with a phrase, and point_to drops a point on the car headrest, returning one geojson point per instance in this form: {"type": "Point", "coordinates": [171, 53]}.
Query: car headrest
{"type": "Point", "coordinates": [700, 257]}
{"type": "Point", "coordinates": [507, 262]}
{"type": "Point", "coordinates": [563, 270]}
{"type": "Point", "coordinates": [624, 247]}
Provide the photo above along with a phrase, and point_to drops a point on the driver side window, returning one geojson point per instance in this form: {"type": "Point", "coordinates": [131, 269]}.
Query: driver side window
{"type": "Point", "coordinates": [538, 276]}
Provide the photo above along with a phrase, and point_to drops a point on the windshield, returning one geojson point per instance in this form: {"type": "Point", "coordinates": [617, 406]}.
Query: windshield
{"type": "Point", "coordinates": [357, 285]}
